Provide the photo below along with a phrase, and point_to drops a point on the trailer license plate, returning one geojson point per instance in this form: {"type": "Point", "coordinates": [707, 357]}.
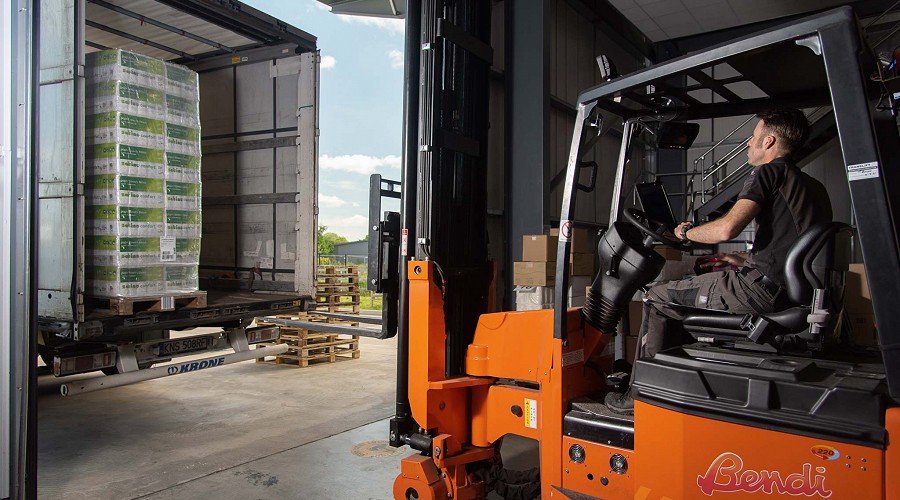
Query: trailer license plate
{"type": "Point", "coordinates": [184, 345]}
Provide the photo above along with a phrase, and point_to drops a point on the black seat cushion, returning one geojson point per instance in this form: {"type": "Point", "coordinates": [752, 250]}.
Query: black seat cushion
{"type": "Point", "coordinates": [791, 320]}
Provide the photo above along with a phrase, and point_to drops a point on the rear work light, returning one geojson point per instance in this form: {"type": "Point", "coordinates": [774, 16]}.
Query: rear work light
{"type": "Point", "coordinates": [262, 334]}
{"type": "Point", "coordinates": [69, 365]}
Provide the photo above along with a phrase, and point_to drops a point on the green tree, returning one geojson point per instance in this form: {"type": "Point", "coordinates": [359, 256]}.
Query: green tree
{"type": "Point", "coordinates": [326, 241]}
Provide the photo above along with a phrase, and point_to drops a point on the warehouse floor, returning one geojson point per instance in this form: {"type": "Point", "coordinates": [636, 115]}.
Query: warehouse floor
{"type": "Point", "coordinates": [245, 430]}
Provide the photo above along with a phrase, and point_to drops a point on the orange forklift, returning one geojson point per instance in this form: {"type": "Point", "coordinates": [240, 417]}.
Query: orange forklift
{"type": "Point", "coordinates": [754, 406]}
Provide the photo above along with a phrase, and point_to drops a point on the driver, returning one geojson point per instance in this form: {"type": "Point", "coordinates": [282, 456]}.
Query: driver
{"type": "Point", "coordinates": [783, 201]}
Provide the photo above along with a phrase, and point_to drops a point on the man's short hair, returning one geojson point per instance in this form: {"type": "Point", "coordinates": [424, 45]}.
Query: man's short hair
{"type": "Point", "coordinates": [789, 126]}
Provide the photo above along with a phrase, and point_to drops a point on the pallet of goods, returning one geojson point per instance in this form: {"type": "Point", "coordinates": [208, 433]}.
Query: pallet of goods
{"type": "Point", "coordinates": [337, 289]}
{"type": "Point", "coordinates": [142, 183]}
{"type": "Point", "coordinates": [308, 346]}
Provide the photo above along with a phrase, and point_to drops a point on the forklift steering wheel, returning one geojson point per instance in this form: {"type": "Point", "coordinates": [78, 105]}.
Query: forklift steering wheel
{"type": "Point", "coordinates": [655, 229]}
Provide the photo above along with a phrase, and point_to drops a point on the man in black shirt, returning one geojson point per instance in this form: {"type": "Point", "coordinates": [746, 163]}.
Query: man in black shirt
{"type": "Point", "coordinates": [782, 200]}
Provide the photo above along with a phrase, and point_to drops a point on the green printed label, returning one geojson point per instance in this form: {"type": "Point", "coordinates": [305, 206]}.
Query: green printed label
{"type": "Point", "coordinates": [179, 160]}
{"type": "Point", "coordinates": [126, 152]}
{"type": "Point", "coordinates": [187, 245]}
{"type": "Point", "coordinates": [183, 217]}
{"type": "Point", "coordinates": [124, 183]}
{"type": "Point", "coordinates": [183, 133]}
{"type": "Point", "coordinates": [138, 93]}
{"type": "Point", "coordinates": [122, 244]}
{"type": "Point", "coordinates": [142, 63]}
{"type": "Point", "coordinates": [181, 273]}
{"type": "Point", "coordinates": [103, 89]}
{"type": "Point", "coordinates": [182, 106]}
{"type": "Point", "coordinates": [100, 120]}
{"type": "Point", "coordinates": [126, 274]}
{"type": "Point", "coordinates": [140, 123]}
{"type": "Point", "coordinates": [181, 74]}
{"type": "Point", "coordinates": [182, 188]}
{"type": "Point", "coordinates": [124, 214]}
{"type": "Point", "coordinates": [102, 58]}
{"type": "Point", "coordinates": [102, 243]}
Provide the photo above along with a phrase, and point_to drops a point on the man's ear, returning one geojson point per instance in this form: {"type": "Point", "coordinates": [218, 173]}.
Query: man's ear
{"type": "Point", "coordinates": [769, 141]}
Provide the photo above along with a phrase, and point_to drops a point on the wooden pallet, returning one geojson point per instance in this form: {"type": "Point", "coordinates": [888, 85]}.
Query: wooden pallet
{"type": "Point", "coordinates": [337, 288]}
{"type": "Point", "coordinates": [338, 299]}
{"type": "Point", "coordinates": [126, 306]}
{"type": "Point", "coordinates": [306, 346]}
{"type": "Point", "coordinates": [308, 317]}
{"type": "Point", "coordinates": [338, 279]}
{"type": "Point", "coordinates": [339, 308]}
{"type": "Point", "coordinates": [336, 270]}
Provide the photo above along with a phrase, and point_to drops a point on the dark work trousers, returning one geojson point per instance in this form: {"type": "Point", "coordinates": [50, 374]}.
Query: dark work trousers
{"type": "Point", "coordinates": [721, 290]}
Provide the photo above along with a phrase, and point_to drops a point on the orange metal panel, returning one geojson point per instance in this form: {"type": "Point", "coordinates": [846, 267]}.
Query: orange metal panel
{"type": "Point", "coordinates": [684, 456]}
{"type": "Point", "coordinates": [892, 455]}
{"type": "Point", "coordinates": [589, 477]}
{"type": "Point", "coordinates": [510, 344]}
{"type": "Point", "coordinates": [502, 409]}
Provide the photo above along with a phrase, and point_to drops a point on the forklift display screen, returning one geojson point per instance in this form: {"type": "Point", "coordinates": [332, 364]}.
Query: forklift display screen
{"type": "Point", "coordinates": [655, 203]}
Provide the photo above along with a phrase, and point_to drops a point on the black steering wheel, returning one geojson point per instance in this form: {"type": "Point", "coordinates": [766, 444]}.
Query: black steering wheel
{"type": "Point", "coordinates": [655, 229]}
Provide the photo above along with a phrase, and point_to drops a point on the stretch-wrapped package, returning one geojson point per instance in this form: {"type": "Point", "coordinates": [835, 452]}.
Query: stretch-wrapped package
{"type": "Point", "coordinates": [142, 186]}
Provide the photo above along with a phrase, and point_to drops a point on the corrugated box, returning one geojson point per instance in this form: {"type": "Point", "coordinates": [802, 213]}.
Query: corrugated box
{"type": "Point", "coordinates": [581, 264]}
{"type": "Point", "coordinates": [857, 298]}
{"type": "Point", "coordinates": [538, 248]}
{"type": "Point", "coordinates": [864, 331]}
{"type": "Point", "coordinates": [668, 253]}
{"type": "Point", "coordinates": [635, 316]}
{"type": "Point", "coordinates": [534, 273]}
{"type": "Point", "coordinates": [580, 240]}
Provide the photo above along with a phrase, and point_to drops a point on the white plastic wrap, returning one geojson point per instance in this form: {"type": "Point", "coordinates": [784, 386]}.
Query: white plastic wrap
{"type": "Point", "coordinates": [143, 190]}
{"type": "Point", "coordinates": [124, 97]}
{"type": "Point", "coordinates": [117, 64]}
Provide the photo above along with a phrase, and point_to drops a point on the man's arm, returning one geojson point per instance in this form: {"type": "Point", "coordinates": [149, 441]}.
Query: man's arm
{"type": "Point", "coordinates": [726, 227]}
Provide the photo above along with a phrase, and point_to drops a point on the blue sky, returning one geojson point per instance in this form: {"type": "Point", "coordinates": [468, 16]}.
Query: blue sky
{"type": "Point", "coordinates": [361, 106]}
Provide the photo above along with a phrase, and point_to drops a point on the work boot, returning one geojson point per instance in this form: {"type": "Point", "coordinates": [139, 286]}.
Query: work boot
{"type": "Point", "coordinates": [620, 402]}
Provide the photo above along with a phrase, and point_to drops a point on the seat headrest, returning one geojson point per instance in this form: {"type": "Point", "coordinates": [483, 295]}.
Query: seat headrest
{"type": "Point", "coordinates": [823, 248]}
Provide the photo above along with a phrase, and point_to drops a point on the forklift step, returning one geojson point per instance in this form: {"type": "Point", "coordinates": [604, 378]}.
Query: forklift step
{"type": "Point", "coordinates": [589, 419]}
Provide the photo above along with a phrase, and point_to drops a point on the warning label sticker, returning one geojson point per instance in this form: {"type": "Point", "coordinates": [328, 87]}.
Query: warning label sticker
{"type": "Point", "coordinates": [531, 417]}
{"type": "Point", "coordinates": [862, 171]}
{"type": "Point", "coordinates": [404, 241]}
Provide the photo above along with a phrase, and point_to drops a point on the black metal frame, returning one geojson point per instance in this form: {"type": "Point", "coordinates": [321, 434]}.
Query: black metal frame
{"type": "Point", "coordinates": [384, 251]}
{"type": "Point", "coordinates": [866, 135]}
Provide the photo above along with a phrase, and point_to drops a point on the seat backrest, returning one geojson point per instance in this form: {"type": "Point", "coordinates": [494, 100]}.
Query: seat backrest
{"type": "Point", "coordinates": [818, 260]}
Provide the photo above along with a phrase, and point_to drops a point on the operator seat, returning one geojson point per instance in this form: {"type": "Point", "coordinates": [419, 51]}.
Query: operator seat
{"type": "Point", "coordinates": [814, 273]}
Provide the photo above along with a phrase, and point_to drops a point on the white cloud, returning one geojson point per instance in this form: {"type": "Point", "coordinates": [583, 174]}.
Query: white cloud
{"type": "Point", "coordinates": [320, 5]}
{"type": "Point", "coordinates": [359, 164]}
{"type": "Point", "coordinates": [354, 205]}
{"type": "Point", "coordinates": [396, 58]}
{"type": "Point", "coordinates": [327, 201]}
{"type": "Point", "coordinates": [354, 227]}
{"type": "Point", "coordinates": [393, 26]}
{"type": "Point", "coordinates": [328, 62]}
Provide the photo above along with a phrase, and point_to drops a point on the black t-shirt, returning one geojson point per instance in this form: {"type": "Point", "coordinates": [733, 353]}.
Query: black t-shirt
{"type": "Point", "coordinates": [791, 202]}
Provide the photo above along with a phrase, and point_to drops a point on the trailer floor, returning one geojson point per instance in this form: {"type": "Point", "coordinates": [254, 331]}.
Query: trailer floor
{"type": "Point", "coordinates": [246, 430]}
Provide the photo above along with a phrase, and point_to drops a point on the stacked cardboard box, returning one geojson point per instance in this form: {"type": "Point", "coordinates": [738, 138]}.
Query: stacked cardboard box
{"type": "Point", "coordinates": [142, 176]}
{"type": "Point", "coordinates": [858, 304]}
{"type": "Point", "coordinates": [535, 275]}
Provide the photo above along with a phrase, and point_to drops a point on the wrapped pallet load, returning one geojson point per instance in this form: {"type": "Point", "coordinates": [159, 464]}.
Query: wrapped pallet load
{"type": "Point", "coordinates": [142, 176]}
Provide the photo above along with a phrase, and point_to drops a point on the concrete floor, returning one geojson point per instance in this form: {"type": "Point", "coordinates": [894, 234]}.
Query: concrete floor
{"type": "Point", "coordinates": [246, 430]}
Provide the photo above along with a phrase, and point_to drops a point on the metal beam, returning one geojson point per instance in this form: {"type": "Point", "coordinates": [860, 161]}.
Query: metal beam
{"type": "Point", "coordinates": [138, 39]}
{"type": "Point", "coordinates": [250, 199]}
{"type": "Point", "coordinates": [233, 147]}
{"type": "Point", "coordinates": [159, 24]}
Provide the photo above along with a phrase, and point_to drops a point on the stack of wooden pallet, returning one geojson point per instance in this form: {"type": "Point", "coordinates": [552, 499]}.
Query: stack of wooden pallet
{"type": "Point", "coordinates": [308, 346]}
{"type": "Point", "coordinates": [337, 289]}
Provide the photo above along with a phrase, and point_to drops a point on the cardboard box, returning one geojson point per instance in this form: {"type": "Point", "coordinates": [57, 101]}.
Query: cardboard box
{"type": "Point", "coordinates": [580, 240]}
{"type": "Point", "coordinates": [581, 264]}
{"type": "Point", "coordinates": [635, 317]}
{"type": "Point", "coordinates": [539, 248]}
{"type": "Point", "coordinates": [534, 273]}
{"type": "Point", "coordinates": [864, 330]}
{"type": "Point", "coordinates": [668, 253]}
{"type": "Point", "coordinates": [857, 297]}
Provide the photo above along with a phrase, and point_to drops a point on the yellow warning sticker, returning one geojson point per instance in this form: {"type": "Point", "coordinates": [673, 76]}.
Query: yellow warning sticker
{"type": "Point", "coordinates": [531, 413]}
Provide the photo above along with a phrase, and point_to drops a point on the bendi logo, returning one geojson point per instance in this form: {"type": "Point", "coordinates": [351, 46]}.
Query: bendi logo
{"type": "Point", "coordinates": [726, 474]}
